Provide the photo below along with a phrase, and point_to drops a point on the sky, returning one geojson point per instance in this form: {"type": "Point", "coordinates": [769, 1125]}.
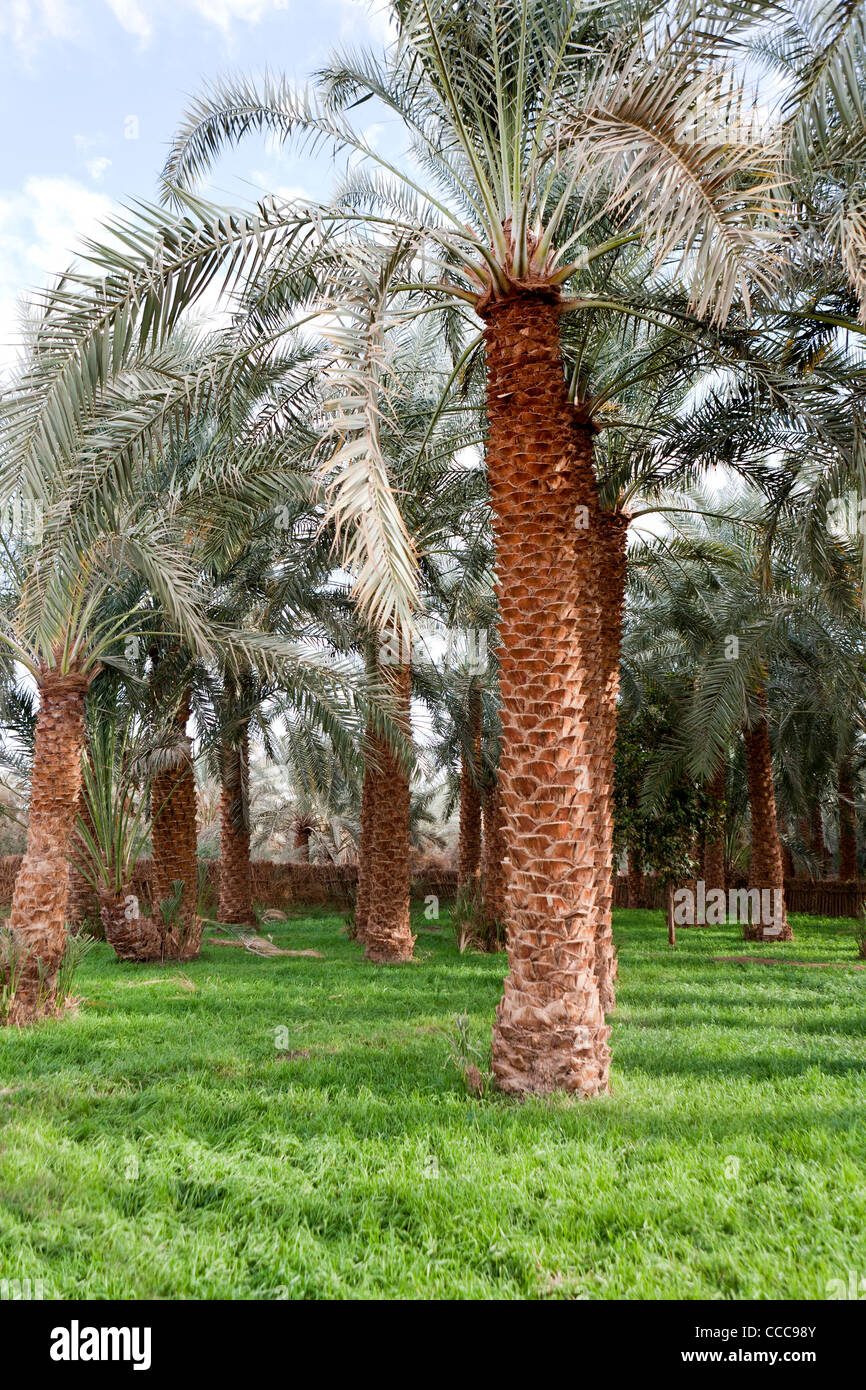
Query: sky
{"type": "Point", "coordinates": [91, 92]}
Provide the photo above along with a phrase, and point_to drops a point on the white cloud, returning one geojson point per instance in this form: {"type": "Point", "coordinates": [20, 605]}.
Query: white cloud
{"type": "Point", "coordinates": [132, 17]}
{"type": "Point", "coordinates": [96, 168]}
{"type": "Point", "coordinates": [224, 12]}
{"type": "Point", "coordinates": [371, 17]}
{"type": "Point", "coordinates": [263, 184]}
{"type": "Point", "coordinates": [41, 226]}
{"type": "Point", "coordinates": [27, 23]}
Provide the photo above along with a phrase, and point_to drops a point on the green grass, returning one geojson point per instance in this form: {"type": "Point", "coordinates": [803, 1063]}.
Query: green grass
{"type": "Point", "coordinates": [158, 1144]}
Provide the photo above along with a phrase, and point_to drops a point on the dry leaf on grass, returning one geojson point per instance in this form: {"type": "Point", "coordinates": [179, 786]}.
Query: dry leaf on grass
{"type": "Point", "coordinates": [183, 981]}
{"type": "Point", "coordinates": [259, 946]}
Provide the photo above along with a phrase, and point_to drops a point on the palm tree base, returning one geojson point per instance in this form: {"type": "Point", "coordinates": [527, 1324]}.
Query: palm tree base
{"type": "Point", "coordinates": [754, 931]}
{"type": "Point", "coordinates": [388, 950]}
{"type": "Point", "coordinates": [532, 1055]}
{"type": "Point", "coordinates": [136, 939]}
{"type": "Point", "coordinates": [186, 946]}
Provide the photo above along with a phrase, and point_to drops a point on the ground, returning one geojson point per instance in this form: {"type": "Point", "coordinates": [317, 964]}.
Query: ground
{"type": "Point", "coordinates": [171, 1141]}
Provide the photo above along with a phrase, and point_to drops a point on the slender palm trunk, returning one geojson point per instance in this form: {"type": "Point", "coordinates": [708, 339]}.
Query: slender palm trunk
{"type": "Point", "coordinates": [550, 1032]}
{"type": "Point", "coordinates": [493, 882]}
{"type": "Point", "coordinates": [83, 907]}
{"type": "Point", "coordinates": [236, 879]}
{"type": "Point", "coordinates": [301, 842]}
{"type": "Point", "coordinates": [469, 846]}
{"type": "Point", "coordinates": [38, 918]}
{"type": "Point", "coordinates": [765, 869]}
{"type": "Point", "coordinates": [370, 792]}
{"type": "Point", "coordinates": [847, 824]}
{"type": "Point", "coordinates": [611, 574]}
{"type": "Point", "coordinates": [175, 855]}
{"type": "Point", "coordinates": [387, 933]}
{"type": "Point", "coordinates": [636, 882]}
{"type": "Point", "coordinates": [816, 838]}
{"type": "Point", "coordinates": [714, 844]}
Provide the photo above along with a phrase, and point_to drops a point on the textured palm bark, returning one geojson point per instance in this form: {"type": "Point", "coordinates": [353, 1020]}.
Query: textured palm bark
{"type": "Point", "coordinates": [387, 934]}
{"type": "Point", "coordinates": [847, 824]}
{"type": "Point", "coordinates": [765, 868]}
{"type": "Point", "coordinates": [130, 935]}
{"type": "Point", "coordinates": [714, 844]}
{"type": "Point", "coordinates": [636, 881]}
{"type": "Point", "coordinates": [550, 1032]}
{"type": "Point", "coordinates": [301, 842]}
{"type": "Point", "coordinates": [816, 837]}
{"type": "Point", "coordinates": [38, 916]}
{"type": "Point", "coordinates": [175, 851]}
{"type": "Point", "coordinates": [369, 819]}
{"type": "Point", "coordinates": [611, 577]}
{"type": "Point", "coordinates": [236, 882]}
{"type": "Point", "coordinates": [469, 844]}
{"type": "Point", "coordinates": [493, 871]}
{"type": "Point", "coordinates": [82, 901]}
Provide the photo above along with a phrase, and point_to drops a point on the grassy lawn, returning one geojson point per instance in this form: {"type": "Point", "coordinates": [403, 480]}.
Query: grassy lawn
{"type": "Point", "coordinates": [168, 1142]}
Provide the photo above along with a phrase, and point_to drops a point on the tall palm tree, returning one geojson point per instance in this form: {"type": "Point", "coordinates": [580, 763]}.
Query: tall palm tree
{"type": "Point", "coordinates": [516, 113]}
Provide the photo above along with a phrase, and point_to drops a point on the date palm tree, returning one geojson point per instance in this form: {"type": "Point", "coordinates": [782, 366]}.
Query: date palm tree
{"type": "Point", "coordinates": [59, 620]}
{"type": "Point", "coordinates": [516, 113]}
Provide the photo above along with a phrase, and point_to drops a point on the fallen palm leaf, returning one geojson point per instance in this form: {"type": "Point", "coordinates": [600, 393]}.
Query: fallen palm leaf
{"type": "Point", "coordinates": [183, 981]}
{"type": "Point", "coordinates": [260, 946]}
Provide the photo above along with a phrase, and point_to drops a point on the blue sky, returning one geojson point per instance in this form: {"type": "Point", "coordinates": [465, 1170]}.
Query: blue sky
{"type": "Point", "coordinates": [92, 90]}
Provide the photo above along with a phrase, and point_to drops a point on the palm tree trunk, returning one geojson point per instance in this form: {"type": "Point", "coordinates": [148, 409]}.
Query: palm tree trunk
{"type": "Point", "coordinates": [82, 903]}
{"type": "Point", "coordinates": [613, 533]}
{"type": "Point", "coordinates": [236, 880]}
{"type": "Point", "coordinates": [175, 851]}
{"type": "Point", "coordinates": [550, 1032]}
{"type": "Point", "coordinates": [469, 845]}
{"type": "Point", "coordinates": [387, 933]}
{"type": "Point", "coordinates": [370, 791]}
{"type": "Point", "coordinates": [816, 838]}
{"type": "Point", "coordinates": [765, 869]}
{"type": "Point", "coordinates": [301, 842]}
{"type": "Point", "coordinates": [636, 882]}
{"type": "Point", "coordinates": [130, 935]}
{"type": "Point", "coordinates": [493, 886]}
{"type": "Point", "coordinates": [714, 844]}
{"type": "Point", "coordinates": [38, 917]}
{"type": "Point", "coordinates": [847, 824]}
